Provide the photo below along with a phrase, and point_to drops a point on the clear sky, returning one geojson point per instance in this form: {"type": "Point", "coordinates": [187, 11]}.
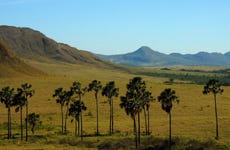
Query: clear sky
{"type": "Point", "coordinates": [121, 26]}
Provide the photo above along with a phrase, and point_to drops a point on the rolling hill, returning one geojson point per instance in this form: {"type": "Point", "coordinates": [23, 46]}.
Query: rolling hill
{"type": "Point", "coordinates": [145, 57]}
{"type": "Point", "coordinates": [33, 45]}
{"type": "Point", "coordinates": [10, 65]}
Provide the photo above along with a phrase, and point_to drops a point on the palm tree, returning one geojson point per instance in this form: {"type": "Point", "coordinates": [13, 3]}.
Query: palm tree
{"type": "Point", "coordinates": [167, 97]}
{"type": "Point", "coordinates": [147, 98]}
{"type": "Point", "coordinates": [67, 97]}
{"type": "Point", "coordinates": [76, 89]}
{"type": "Point", "coordinates": [128, 104]}
{"type": "Point", "coordinates": [213, 86]}
{"type": "Point", "coordinates": [33, 120]}
{"type": "Point", "coordinates": [26, 93]}
{"type": "Point", "coordinates": [60, 94]}
{"type": "Point", "coordinates": [110, 91]}
{"type": "Point", "coordinates": [19, 102]}
{"type": "Point", "coordinates": [7, 97]}
{"type": "Point", "coordinates": [75, 110]}
{"type": "Point", "coordinates": [95, 86]}
{"type": "Point", "coordinates": [135, 100]}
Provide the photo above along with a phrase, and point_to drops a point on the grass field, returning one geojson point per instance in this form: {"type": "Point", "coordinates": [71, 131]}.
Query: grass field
{"type": "Point", "coordinates": [192, 119]}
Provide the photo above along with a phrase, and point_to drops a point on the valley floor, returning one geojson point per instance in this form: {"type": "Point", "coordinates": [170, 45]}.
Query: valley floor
{"type": "Point", "coordinates": [192, 119]}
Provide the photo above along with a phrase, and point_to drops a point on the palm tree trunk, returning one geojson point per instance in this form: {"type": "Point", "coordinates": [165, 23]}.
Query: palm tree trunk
{"type": "Point", "coordinates": [112, 116]}
{"type": "Point", "coordinates": [97, 133]}
{"type": "Point", "coordinates": [216, 115]}
{"type": "Point", "coordinates": [139, 128]}
{"type": "Point", "coordinates": [32, 129]}
{"type": "Point", "coordinates": [79, 125]}
{"type": "Point", "coordinates": [146, 127]}
{"type": "Point", "coordinates": [135, 129]}
{"type": "Point", "coordinates": [21, 123]}
{"type": "Point", "coordinates": [8, 122]}
{"type": "Point", "coordinates": [27, 119]}
{"type": "Point", "coordinates": [75, 127]}
{"type": "Point", "coordinates": [110, 119]}
{"type": "Point", "coordinates": [170, 129]}
{"type": "Point", "coordinates": [81, 128]}
{"type": "Point", "coordinates": [62, 119]}
{"type": "Point", "coordinates": [66, 116]}
{"type": "Point", "coordinates": [148, 132]}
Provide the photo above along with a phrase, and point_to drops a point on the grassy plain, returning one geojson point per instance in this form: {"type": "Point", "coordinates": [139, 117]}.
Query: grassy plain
{"type": "Point", "coordinates": [192, 118]}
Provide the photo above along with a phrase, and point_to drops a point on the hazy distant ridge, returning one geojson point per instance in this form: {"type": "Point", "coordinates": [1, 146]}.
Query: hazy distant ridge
{"type": "Point", "coordinates": [145, 56]}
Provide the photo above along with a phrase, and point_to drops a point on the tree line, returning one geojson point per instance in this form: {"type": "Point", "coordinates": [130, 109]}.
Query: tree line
{"type": "Point", "coordinates": [136, 100]}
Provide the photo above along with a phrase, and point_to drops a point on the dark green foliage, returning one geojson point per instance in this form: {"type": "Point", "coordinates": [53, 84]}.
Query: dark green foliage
{"type": "Point", "coordinates": [213, 86]}
{"type": "Point", "coordinates": [110, 91]}
{"type": "Point", "coordinates": [167, 97]}
{"type": "Point", "coordinates": [33, 120]}
{"type": "Point", "coordinates": [223, 76]}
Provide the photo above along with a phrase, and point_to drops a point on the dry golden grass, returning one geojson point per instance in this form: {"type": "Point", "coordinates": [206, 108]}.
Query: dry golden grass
{"type": "Point", "coordinates": [192, 118]}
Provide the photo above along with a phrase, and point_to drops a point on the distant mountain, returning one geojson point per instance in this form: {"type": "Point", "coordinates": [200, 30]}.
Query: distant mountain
{"type": "Point", "coordinates": [30, 44]}
{"type": "Point", "coordinates": [145, 56]}
{"type": "Point", "coordinates": [10, 65]}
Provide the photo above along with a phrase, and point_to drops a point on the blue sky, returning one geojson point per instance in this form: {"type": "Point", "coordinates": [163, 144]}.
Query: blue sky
{"type": "Point", "coordinates": [121, 26]}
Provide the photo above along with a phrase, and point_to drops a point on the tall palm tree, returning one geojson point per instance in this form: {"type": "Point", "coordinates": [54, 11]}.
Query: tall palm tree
{"type": "Point", "coordinates": [26, 93]}
{"type": "Point", "coordinates": [79, 91]}
{"type": "Point", "coordinates": [7, 97]}
{"type": "Point", "coordinates": [19, 102]}
{"type": "Point", "coordinates": [135, 100]}
{"type": "Point", "coordinates": [67, 97]}
{"type": "Point", "coordinates": [147, 98]}
{"type": "Point", "coordinates": [128, 104]}
{"type": "Point", "coordinates": [167, 97]}
{"type": "Point", "coordinates": [75, 110]}
{"type": "Point", "coordinates": [60, 94]}
{"type": "Point", "coordinates": [213, 86]}
{"type": "Point", "coordinates": [96, 87]}
{"type": "Point", "coordinates": [110, 91]}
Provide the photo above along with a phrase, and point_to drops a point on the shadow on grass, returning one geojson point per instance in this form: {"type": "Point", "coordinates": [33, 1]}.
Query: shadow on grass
{"type": "Point", "coordinates": [152, 143]}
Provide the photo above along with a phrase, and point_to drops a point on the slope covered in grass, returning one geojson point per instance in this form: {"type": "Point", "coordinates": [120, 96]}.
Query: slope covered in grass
{"type": "Point", "coordinates": [11, 66]}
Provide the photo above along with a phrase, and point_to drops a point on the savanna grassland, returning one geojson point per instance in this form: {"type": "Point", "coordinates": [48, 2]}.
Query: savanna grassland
{"type": "Point", "coordinates": [193, 118]}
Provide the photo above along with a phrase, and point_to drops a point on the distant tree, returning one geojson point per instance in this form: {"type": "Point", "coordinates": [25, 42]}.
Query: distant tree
{"type": "Point", "coordinates": [79, 92]}
{"type": "Point", "coordinates": [33, 120]}
{"type": "Point", "coordinates": [213, 86]}
{"type": "Point", "coordinates": [6, 97]}
{"type": "Point", "coordinates": [26, 93]}
{"type": "Point", "coordinates": [60, 94]}
{"type": "Point", "coordinates": [96, 87]}
{"type": "Point", "coordinates": [19, 103]}
{"type": "Point", "coordinates": [110, 91]}
{"type": "Point", "coordinates": [167, 97]}
{"type": "Point", "coordinates": [75, 110]}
